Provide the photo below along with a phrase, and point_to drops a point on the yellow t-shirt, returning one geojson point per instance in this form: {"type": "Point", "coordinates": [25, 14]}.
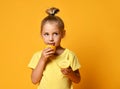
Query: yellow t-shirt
{"type": "Point", "coordinates": [52, 77]}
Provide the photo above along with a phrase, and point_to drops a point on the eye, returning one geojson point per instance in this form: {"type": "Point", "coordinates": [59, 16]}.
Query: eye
{"type": "Point", "coordinates": [55, 33]}
{"type": "Point", "coordinates": [46, 34]}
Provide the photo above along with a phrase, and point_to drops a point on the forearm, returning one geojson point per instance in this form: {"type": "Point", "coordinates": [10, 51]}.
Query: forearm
{"type": "Point", "coordinates": [38, 72]}
{"type": "Point", "coordinates": [74, 77]}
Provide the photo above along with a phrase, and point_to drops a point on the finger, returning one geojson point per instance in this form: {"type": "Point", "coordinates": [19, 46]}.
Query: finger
{"type": "Point", "coordinates": [64, 71]}
{"type": "Point", "coordinates": [47, 50]}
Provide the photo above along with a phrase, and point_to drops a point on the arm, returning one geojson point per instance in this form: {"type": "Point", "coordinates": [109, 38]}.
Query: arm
{"type": "Point", "coordinates": [37, 73]}
{"type": "Point", "coordinates": [74, 76]}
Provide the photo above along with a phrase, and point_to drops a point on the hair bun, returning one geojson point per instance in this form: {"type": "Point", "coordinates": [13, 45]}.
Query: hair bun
{"type": "Point", "coordinates": [52, 11]}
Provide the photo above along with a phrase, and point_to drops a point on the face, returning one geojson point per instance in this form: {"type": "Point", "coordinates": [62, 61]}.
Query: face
{"type": "Point", "coordinates": [51, 34]}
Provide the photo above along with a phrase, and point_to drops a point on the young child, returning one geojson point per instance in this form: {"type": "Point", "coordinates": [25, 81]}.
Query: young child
{"type": "Point", "coordinates": [54, 67]}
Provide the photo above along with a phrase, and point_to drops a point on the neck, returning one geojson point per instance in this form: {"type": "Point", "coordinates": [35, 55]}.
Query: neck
{"type": "Point", "coordinates": [59, 50]}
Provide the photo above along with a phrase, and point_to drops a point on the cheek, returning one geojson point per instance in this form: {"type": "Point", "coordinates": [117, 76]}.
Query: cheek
{"type": "Point", "coordinates": [44, 38]}
{"type": "Point", "coordinates": [58, 40]}
{"type": "Point", "coordinates": [45, 41]}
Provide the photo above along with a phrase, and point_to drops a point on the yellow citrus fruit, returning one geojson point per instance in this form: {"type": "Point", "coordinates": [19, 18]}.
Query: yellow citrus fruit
{"type": "Point", "coordinates": [64, 64]}
{"type": "Point", "coordinates": [51, 46]}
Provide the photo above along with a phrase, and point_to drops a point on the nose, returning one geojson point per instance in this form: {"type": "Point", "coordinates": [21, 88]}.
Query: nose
{"type": "Point", "coordinates": [51, 38]}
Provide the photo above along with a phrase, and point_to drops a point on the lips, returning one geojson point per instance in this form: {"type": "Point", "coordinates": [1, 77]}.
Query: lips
{"type": "Point", "coordinates": [51, 44]}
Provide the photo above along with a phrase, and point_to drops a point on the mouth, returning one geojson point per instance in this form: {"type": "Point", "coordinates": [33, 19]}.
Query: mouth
{"type": "Point", "coordinates": [51, 44]}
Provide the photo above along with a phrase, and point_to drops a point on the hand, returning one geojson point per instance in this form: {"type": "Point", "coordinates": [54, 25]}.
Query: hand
{"type": "Point", "coordinates": [47, 53]}
{"type": "Point", "coordinates": [74, 76]}
{"type": "Point", "coordinates": [66, 71]}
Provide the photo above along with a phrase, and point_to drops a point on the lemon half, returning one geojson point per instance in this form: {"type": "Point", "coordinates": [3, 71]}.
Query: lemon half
{"type": "Point", "coordinates": [51, 46]}
{"type": "Point", "coordinates": [64, 64]}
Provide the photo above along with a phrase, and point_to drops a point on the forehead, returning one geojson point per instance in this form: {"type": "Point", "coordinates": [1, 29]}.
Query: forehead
{"type": "Point", "coordinates": [51, 23]}
{"type": "Point", "coordinates": [50, 26]}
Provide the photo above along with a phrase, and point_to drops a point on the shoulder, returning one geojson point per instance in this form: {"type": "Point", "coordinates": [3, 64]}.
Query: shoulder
{"type": "Point", "coordinates": [34, 60]}
{"type": "Point", "coordinates": [37, 53]}
{"type": "Point", "coordinates": [70, 52]}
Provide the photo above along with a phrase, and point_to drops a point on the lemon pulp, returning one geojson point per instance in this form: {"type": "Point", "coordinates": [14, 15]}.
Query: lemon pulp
{"type": "Point", "coordinates": [64, 64]}
{"type": "Point", "coordinates": [51, 46]}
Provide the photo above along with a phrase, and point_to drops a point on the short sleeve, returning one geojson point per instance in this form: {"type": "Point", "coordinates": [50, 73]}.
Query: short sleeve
{"type": "Point", "coordinates": [74, 62]}
{"type": "Point", "coordinates": [34, 61]}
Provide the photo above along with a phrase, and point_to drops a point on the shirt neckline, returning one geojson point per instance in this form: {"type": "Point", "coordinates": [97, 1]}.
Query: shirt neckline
{"type": "Point", "coordinates": [62, 53]}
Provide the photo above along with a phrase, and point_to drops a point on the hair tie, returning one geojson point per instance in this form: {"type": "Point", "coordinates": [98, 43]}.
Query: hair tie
{"type": "Point", "coordinates": [52, 11]}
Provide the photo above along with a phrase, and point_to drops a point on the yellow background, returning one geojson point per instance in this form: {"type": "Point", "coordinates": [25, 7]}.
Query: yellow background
{"type": "Point", "coordinates": [93, 33]}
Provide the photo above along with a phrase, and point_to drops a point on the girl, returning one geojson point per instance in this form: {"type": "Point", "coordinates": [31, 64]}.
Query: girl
{"type": "Point", "coordinates": [58, 67]}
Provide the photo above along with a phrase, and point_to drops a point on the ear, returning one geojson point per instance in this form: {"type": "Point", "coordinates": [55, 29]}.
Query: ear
{"type": "Point", "coordinates": [63, 33]}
